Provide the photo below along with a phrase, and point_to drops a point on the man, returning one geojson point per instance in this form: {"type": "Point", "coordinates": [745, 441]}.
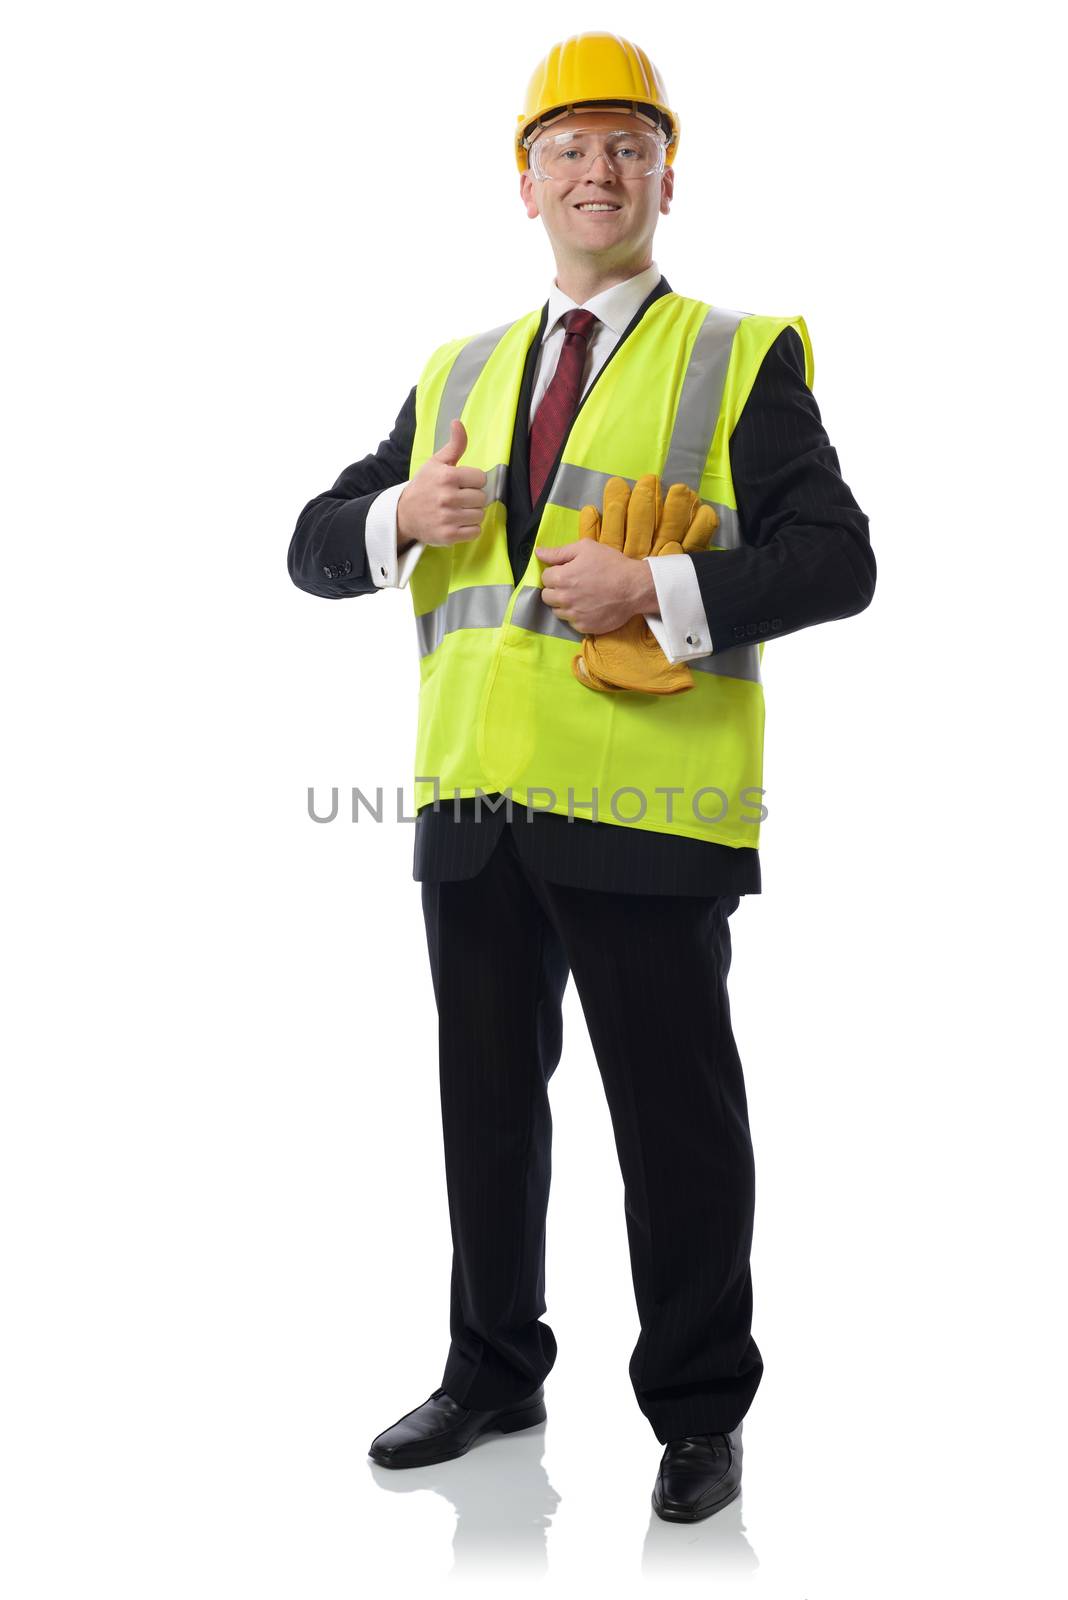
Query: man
{"type": "Point", "coordinates": [603, 510]}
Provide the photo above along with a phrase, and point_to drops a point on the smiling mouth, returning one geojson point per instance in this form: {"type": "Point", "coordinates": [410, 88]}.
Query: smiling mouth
{"type": "Point", "coordinates": [597, 206]}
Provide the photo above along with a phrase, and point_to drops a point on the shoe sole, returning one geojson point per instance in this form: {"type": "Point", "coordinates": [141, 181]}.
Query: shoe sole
{"type": "Point", "coordinates": [672, 1515]}
{"type": "Point", "coordinates": [504, 1422]}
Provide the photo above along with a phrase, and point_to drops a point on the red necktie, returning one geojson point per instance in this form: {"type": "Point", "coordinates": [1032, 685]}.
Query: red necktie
{"type": "Point", "coordinates": [556, 409]}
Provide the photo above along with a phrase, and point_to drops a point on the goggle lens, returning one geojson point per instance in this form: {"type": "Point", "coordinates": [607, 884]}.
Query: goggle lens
{"type": "Point", "coordinates": [573, 153]}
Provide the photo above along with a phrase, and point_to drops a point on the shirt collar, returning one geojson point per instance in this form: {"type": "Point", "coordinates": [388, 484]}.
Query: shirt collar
{"type": "Point", "coordinates": [615, 307]}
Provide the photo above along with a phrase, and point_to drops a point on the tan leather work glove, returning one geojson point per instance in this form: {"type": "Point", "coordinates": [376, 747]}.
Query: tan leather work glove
{"type": "Point", "coordinates": [639, 523]}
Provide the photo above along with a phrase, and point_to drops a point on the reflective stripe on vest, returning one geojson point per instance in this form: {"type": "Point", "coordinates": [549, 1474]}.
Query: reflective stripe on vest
{"type": "Point", "coordinates": [483, 605]}
{"type": "Point", "coordinates": [462, 378]}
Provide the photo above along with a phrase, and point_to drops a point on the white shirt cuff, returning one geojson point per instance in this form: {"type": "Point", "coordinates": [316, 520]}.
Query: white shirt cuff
{"type": "Point", "coordinates": [681, 629]}
{"type": "Point", "coordinates": [388, 569]}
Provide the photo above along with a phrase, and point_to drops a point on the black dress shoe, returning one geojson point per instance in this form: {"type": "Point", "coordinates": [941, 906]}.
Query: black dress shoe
{"type": "Point", "coordinates": [698, 1475]}
{"type": "Point", "coordinates": [440, 1429]}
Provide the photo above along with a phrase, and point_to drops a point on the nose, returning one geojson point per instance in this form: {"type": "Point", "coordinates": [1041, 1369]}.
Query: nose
{"type": "Point", "coordinates": [609, 170]}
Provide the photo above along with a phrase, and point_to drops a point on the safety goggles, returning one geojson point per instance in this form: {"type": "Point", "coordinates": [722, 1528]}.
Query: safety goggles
{"type": "Point", "coordinates": [572, 153]}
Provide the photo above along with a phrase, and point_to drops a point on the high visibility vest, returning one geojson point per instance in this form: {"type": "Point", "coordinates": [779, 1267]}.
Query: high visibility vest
{"type": "Point", "coordinates": [500, 709]}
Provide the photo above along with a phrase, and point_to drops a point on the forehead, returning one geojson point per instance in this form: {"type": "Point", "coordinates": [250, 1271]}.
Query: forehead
{"type": "Point", "coordinates": [598, 118]}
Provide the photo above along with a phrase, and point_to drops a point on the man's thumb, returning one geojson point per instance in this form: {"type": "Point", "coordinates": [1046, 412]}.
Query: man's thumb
{"type": "Point", "coordinates": [455, 445]}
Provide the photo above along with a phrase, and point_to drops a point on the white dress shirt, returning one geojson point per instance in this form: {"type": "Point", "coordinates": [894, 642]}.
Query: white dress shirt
{"type": "Point", "coordinates": [681, 630]}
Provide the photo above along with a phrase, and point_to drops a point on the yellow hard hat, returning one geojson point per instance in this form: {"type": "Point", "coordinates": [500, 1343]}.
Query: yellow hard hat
{"type": "Point", "coordinates": [596, 68]}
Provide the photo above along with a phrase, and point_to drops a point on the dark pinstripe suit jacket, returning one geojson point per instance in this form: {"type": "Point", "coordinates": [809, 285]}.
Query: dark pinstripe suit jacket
{"type": "Point", "coordinates": [805, 558]}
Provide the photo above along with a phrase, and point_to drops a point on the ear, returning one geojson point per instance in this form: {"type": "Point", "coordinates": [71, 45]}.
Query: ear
{"type": "Point", "coordinates": [528, 193]}
{"type": "Point", "coordinates": [667, 187]}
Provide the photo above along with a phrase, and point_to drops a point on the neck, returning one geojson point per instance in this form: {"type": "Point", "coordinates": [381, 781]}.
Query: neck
{"type": "Point", "coordinates": [581, 279]}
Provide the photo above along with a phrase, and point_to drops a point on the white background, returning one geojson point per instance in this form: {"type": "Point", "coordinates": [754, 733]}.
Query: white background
{"type": "Point", "coordinates": [235, 234]}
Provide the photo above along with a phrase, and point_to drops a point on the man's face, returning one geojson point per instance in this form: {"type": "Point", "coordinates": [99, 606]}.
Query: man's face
{"type": "Point", "coordinates": [610, 236]}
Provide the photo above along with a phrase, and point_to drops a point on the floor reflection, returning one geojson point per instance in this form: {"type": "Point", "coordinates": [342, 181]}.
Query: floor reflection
{"type": "Point", "coordinates": [715, 1547]}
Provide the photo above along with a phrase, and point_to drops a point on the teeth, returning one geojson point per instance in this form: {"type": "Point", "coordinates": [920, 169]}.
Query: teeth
{"type": "Point", "coordinates": [596, 206]}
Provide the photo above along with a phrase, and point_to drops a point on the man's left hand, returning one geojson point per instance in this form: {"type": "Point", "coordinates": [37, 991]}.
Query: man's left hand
{"type": "Point", "coordinates": [593, 587]}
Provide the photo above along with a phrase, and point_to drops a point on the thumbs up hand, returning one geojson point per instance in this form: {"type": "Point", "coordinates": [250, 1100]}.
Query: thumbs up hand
{"type": "Point", "coordinates": [444, 503]}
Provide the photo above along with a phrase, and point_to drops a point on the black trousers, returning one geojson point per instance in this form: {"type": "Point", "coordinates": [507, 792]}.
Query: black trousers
{"type": "Point", "coordinates": [651, 975]}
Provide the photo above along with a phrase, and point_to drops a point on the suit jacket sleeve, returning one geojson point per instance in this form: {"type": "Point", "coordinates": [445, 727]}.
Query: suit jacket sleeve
{"type": "Point", "coordinates": [805, 555]}
{"type": "Point", "coordinates": [327, 553]}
